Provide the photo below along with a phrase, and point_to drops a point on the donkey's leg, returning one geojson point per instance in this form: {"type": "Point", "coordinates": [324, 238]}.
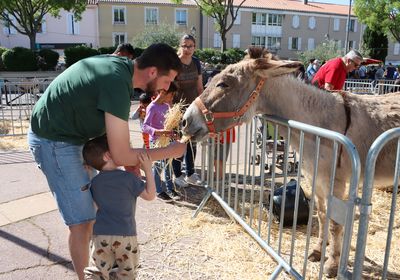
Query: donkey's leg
{"type": "Point", "coordinates": [336, 234]}
{"type": "Point", "coordinates": [315, 255]}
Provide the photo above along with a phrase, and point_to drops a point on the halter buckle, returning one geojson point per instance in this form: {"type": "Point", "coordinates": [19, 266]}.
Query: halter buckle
{"type": "Point", "coordinates": [209, 117]}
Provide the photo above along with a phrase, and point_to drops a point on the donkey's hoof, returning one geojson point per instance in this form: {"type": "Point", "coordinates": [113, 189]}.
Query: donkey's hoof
{"type": "Point", "coordinates": [331, 268]}
{"type": "Point", "coordinates": [315, 256]}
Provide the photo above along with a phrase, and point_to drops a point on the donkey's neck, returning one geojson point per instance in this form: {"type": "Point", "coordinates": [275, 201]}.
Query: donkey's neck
{"type": "Point", "coordinates": [290, 98]}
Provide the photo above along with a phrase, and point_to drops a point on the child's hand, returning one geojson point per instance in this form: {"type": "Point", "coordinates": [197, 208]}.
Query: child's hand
{"type": "Point", "coordinates": [145, 161]}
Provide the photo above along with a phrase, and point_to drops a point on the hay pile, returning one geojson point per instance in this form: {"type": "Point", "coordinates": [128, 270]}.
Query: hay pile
{"type": "Point", "coordinates": [14, 142]}
{"type": "Point", "coordinates": [211, 246]}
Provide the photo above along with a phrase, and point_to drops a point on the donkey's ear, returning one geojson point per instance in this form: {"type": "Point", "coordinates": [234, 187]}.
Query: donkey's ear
{"type": "Point", "coordinates": [271, 68]}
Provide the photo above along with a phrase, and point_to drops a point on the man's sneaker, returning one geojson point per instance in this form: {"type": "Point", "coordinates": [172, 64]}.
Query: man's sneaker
{"type": "Point", "coordinates": [164, 196]}
{"type": "Point", "coordinates": [194, 179]}
{"type": "Point", "coordinates": [173, 194]}
{"type": "Point", "coordinates": [180, 182]}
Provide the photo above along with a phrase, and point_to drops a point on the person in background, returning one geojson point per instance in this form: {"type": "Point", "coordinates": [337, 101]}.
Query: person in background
{"type": "Point", "coordinates": [140, 114]}
{"type": "Point", "coordinates": [310, 71]}
{"type": "Point", "coordinates": [190, 86]}
{"type": "Point", "coordinates": [379, 72]}
{"type": "Point", "coordinates": [390, 71]}
{"type": "Point", "coordinates": [125, 49]}
{"type": "Point", "coordinates": [83, 103]}
{"type": "Point", "coordinates": [154, 125]}
{"type": "Point", "coordinates": [332, 75]}
{"type": "Point", "coordinates": [115, 193]}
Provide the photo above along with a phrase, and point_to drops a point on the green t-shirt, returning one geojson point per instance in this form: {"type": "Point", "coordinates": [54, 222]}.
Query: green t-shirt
{"type": "Point", "coordinates": [72, 107]}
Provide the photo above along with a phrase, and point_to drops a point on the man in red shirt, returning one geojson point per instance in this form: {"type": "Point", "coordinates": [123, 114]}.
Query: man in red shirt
{"type": "Point", "coordinates": [332, 75]}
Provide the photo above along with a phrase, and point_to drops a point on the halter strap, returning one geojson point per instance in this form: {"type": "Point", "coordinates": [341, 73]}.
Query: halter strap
{"type": "Point", "coordinates": [210, 116]}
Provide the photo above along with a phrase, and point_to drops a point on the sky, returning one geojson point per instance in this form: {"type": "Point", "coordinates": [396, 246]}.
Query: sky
{"type": "Point", "coordinates": [340, 2]}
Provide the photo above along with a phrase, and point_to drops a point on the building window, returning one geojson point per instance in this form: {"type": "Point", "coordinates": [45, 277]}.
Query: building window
{"type": "Point", "coordinates": [296, 21]}
{"type": "Point", "coordinates": [119, 15]}
{"type": "Point", "coordinates": [237, 20]}
{"type": "Point", "coordinates": [338, 44]}
{"type": "Point", "coordinates": [274, 20]}
{"type": "Point", "coordinates": [72, 24]}
{"type": "Point", "coordinates": [181, 16]}
{"type": "Point", "coordinates": [312, 23]}
{"type": "Point", "coordinates": [119, 38]}
{"type": "Point", "coordinates": [352, 45]}
{"type": "Point", "coordinates": [353, 25]}
{"type": "Point", "coordinates": [274, 43]}
{"type": "Point", "coordinates": [258, 41]}
{"type": "Point", "coordinates": [396, 50]}
{"type": "Point", "coordinates": [236, 41]}
{"type": "Point", "coordinates": [311, 44]}
{"type": "Point", "coordinates": [336, 24]}
{"type": "Point", "coordinates": [151, 16]}
{"type": "Point", "coordinates": [42, 27]}
{"type": "Point", "coordinates": [259, 19]}
{"type": "Point", "coordinates": [217, 40]}
{"type": "Point", "coordinates": [294, 43]}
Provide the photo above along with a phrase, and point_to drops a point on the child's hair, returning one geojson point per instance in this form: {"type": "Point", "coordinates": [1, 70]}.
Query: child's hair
{"type": "Point", "coordinates": [94, 150]}
{"type": "Point", "coordinates": [145, 98]}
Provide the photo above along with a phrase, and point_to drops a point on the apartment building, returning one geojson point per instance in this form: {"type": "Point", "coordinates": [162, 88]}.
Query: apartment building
{"type": "Point", "coordinates": [121, 20]}
{"type": "Point", "coordinates": [288, 26]}
{"type": "Point", "coordinates": [58, 33]}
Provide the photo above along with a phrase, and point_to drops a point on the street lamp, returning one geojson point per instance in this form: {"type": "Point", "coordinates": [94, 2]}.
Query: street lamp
{"type": "Point", "coordinates": [346, 46]}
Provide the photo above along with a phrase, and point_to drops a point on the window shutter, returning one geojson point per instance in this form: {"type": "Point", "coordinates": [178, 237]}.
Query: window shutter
{"type": "Point", "coordinates": [355, 26]}
{"type": "Point", "coordinates": [69, 23]}
{"type": "Point", "coordinates": [237, 20]}
{"type": "Point", "coordinates": [299, 44]}
{"type": "Point", "coordinates": [44, 27]}
{"type": "Point", "coordinates": [396, 50]}
{"type": "Point", "coordinates": [290, 43]}
{"type": "Point", "coordinates": [336, 24]}
{"type": "Point", "coordinates": [236, 41]}
{"type": "Point", "coordinates": [310, 44]}
{"type": "Point", "coordinates": [76, 27]}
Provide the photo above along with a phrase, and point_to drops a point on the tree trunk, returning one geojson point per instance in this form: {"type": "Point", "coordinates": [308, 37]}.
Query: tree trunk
{"type": "Point", "coordinates": [223, 41]}
{"type": "Point", "coordinates": [32, 39]}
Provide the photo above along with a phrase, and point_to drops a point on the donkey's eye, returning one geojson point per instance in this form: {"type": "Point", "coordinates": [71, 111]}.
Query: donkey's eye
{"type": "Point", "coordinates": [222, 85]}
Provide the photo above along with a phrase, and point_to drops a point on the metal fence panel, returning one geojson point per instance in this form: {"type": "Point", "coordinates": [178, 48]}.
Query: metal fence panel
{"type": "Point", "coordinates": [17, 100]}
{"type": "Point", "coordinates": [260, 162]}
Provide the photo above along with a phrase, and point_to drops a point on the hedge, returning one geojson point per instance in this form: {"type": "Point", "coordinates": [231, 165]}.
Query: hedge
{"type": "Point", "coordinates": [19, 59]}
{"type": "Point", "coordinates": [74, 54]}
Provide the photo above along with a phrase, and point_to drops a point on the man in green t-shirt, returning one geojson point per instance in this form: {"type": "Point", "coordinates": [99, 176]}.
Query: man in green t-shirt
{"type": "Point", "coordinates": [90, 98]}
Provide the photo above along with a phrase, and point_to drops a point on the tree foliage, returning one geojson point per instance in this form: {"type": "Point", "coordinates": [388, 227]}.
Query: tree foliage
{"type": "Point", "coordinates": [380, 15]}
{"type": "Point", "coordinates": [328, 49]}
{"type": "Point", "coordinates": [26, 16]}
{"type": "Point", "coordinates": [375, 44]}
{"type": "Point", "coordinates": [162, 33]}
{"type": "Point", "coordinates": [223, 11]}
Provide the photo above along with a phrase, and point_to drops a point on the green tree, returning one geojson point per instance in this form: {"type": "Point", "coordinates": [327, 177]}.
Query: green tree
{"type": "Point", "coordinates": [223, 11]}
{"type": "Point", "coordinates": [323, 52]}
{"type": "Point", "coordinates": [380, 15]}
{"type": "Point", "coordinates": [162, 33]}
{"type": "Point", "coordinates": [26, 16]}
{"type": "Point", "coordinates": [375, 44]}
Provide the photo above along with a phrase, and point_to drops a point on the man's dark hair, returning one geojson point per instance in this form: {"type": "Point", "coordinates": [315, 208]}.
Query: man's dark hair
{"type": "Point", "coordinates": [161, 56]}
{"type": "Point", "coordinates": [125, 47]}
{"type": "Point", "coordinates": [94, 150]}
{"type": "Point", "coordinates": [312, 60]}
{"type": "Point", "coordinates": [145, 98]}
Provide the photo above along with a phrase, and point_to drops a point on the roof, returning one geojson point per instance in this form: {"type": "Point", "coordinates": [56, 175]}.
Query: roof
{"type": "Point", "coordinates": [297, 6]}
{"type": "Point", "coordinates": [164, 2]}
{"type": "Point", "coordinates": [283, 5]}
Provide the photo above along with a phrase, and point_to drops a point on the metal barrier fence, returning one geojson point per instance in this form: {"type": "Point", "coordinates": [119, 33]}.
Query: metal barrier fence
{"type": "Point", "coordinates": [365, 205]}
{"type": "Point", "coordinates": [363, 86]}
{"type": "Point", "coordinates": [17, 98]}
{"type": "Point", "coordinates": [247, 190]}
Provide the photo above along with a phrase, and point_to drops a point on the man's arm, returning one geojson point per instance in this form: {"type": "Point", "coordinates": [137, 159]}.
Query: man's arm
{"type": "Point", "coordinates": [118, 142]}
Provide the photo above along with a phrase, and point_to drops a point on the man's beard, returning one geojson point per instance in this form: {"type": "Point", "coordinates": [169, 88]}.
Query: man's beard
{"type": "Point", "coordinates": [152, 86]}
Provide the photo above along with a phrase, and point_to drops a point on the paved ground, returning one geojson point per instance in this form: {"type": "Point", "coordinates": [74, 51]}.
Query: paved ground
{"type": "Point", "coordinates": [33, 238]}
